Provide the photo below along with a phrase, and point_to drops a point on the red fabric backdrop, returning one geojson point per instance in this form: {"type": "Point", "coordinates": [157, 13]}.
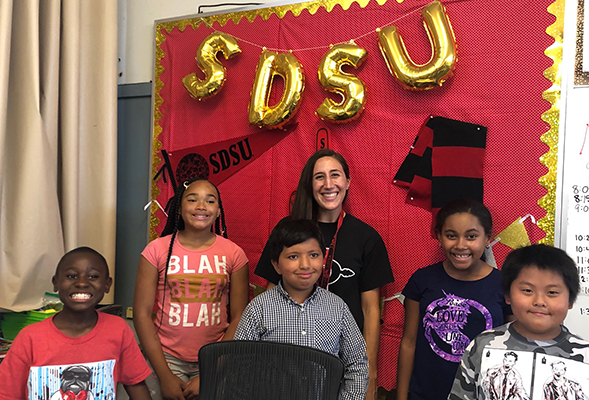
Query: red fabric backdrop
{"type": "Point", "coordinates": [498, 83]}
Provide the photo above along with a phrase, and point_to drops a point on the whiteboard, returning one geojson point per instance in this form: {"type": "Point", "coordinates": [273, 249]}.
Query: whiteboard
{"type": "Point", "coordinates": [572, 216]}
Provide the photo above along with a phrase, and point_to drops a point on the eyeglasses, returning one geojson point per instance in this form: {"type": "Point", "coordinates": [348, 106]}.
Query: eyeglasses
{"type": "Point", "coordinates": [75, 375]}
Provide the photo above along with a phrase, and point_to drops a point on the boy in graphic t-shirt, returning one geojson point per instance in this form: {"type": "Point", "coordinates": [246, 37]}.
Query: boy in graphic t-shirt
{"type": "Point", "coordinates": [529, 357]}
{"type": "Point", "coordinates": [78, 353]}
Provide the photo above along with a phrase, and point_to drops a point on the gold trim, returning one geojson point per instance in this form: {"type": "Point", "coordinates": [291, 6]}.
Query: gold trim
{"type": "Point", "coordinates": [581, 77]}
{"type": "Point", "coordinates": [157, 129]}
{"type": "Point", "coordinates": [264, 13]}
{"type": "Point", "coordinates": [552, 95]}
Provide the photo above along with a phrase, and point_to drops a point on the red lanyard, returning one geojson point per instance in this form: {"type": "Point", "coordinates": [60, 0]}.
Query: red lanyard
{"type": "Point", "coordinates": [328, 260]}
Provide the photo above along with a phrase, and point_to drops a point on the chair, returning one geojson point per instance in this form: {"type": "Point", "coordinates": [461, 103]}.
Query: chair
{"type": "Point", "coordinates": [244, 370]}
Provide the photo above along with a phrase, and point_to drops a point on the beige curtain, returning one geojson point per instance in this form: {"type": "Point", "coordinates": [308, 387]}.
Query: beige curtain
{"type": "Point", "coordinates": [58, 85]}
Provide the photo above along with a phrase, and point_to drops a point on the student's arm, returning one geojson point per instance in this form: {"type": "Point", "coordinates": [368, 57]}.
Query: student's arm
{"type": "Point", "coordinates": [464, 386]}
{"type": "Point", "coordinates": [143, 301]}
{"type": "Point", "coordinates": [14, 369]}
{"type": "Point", "coordinates": [238, 298]}
{"type": "Point", "coordinates": [353, 354]}
{"type": "Point", "coordinates": [407, 348]}
{"type": "Point", "coordinates": [371, 331]}
{"type": "Point", "coordinates": [138, 391]}
{"type": "Point", "coordinates": [250, 324]}
{"type": "Point", "coordinates": [192, 389]}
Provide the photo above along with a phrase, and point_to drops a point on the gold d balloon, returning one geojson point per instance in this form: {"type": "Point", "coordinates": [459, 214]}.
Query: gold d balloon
{"type": "Point", "coordinates": [443, 60]}
{"type": "Point", "coordinates": [350, 87]}
{"type": "Point", "coordinates": [270, 65]}
{"type": "Point", "coordinates": [206, 57]}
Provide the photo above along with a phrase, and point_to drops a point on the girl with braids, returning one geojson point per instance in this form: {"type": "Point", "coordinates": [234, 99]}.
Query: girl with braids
{"type": "Point", "coordinates": [204, 270]}
{"type": "Point", "coordinates": [448, 303]}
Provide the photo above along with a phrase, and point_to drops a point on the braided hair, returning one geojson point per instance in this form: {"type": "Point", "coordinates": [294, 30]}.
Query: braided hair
{"type": "Point", "coordinates": [175, 223]}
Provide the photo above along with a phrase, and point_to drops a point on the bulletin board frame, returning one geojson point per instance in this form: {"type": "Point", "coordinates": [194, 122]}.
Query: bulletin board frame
{"type": "Point", "coordinates": [266, 184]}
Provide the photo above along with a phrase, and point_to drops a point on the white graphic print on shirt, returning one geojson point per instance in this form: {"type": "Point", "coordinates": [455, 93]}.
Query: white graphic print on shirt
{"type": "Point", "coordinates": [202, 282]}
{"type": "Point", "coordinates": [72, 382]}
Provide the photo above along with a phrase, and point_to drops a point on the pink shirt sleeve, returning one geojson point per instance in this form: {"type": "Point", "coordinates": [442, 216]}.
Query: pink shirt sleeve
{"type": "Point", "coordinates": [239, 258]}
{"type": "Point", "coordinates": [156, 251]}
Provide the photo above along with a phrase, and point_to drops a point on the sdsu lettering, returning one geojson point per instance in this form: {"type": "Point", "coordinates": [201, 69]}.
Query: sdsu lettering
{"type": "Point", "coordinates": [223, 159]}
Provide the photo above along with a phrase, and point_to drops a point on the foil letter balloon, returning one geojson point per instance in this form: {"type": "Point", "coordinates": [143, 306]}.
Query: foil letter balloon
{"type": "Point", "coordinates": [271, 65]}
{"type": "Point", "coordinates": [215, 73]}
{"type": "Point", "coordinates": [443, 61]}
{"type": "Point", "coordinates": [350, 87]}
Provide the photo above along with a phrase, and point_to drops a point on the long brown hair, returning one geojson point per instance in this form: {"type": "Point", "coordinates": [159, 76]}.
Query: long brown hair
{"type": "Point", "coordinates": [305, 206]}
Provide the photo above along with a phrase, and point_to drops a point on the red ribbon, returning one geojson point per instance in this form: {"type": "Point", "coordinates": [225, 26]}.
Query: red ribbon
{"type": "Point", "coordinates": [328, 260]}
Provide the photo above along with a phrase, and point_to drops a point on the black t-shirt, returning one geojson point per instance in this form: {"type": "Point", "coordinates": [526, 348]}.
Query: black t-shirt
{"type": "Point", "coordinates": [451, 313]}
{"type": "Point", "coordinates": [361, 263]}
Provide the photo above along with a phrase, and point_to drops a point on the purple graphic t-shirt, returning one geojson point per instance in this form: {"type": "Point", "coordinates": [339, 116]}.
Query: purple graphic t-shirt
{"type": "Point", "coordinates": [452, 313]}
{"type": "Point", "coordinates": [445, 319]}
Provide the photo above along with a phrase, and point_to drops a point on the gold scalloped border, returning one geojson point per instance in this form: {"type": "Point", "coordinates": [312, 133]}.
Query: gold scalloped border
{"type": "Point", "coordinates": [157, 130]}
{"type": "Point", "coordinates": [264, 13]}
{"type": "Point", "coordinates": [552, 117]}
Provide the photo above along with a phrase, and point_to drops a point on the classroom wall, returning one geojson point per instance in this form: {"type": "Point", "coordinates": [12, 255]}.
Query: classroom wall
{"type": "Point", "coordinates": [133, 177]}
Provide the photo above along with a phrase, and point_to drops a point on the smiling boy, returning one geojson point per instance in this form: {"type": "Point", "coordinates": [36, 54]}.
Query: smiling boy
{"type": "Point", "coordinates": [541, 284]}
{"type": "Point", "coordinates": [297, 311]}
{"type": "Point", "coordinates": [79, 352]}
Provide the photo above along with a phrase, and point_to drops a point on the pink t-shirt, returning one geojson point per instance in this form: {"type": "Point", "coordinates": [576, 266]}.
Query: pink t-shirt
{"type": "Point", "coordinates": [196, 294]}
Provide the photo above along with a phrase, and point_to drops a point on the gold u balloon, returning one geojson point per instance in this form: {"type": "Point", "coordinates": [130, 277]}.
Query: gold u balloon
{"type": "Point", "coordinates": [350, 87]}
{"type": "Point", "coordinates": [443, 61]}
{"type": "Point", "coordinates": [215, 73]}
{"type": "Point", "coordinates": [270, 65]}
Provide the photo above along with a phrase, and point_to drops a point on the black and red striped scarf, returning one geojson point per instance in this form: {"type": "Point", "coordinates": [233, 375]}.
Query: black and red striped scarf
{"type": "Point", "coordinates": [445, 163]}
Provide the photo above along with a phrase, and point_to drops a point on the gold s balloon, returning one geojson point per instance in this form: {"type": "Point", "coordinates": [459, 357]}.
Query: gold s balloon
{"type": "Point", "coordinates": [215, 73]}
{"type": "Point", "coordinates": [443, 61]}
{"type": "Point", "coordinates": [271, 65]}
{"type": "Point", "coordinates": [350, 87]}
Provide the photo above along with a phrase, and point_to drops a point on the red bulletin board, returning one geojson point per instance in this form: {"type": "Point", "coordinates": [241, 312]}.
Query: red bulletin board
{"type": "Point", "coordinates": [499, 82]}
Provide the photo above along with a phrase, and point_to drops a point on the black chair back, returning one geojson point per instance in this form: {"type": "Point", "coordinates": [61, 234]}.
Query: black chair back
{"type": "Point", "coordinates": [244, 370]}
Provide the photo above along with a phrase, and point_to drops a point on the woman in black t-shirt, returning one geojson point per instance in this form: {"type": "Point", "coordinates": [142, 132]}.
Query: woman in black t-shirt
{"type": "Point", "coordinates": [356, 264]}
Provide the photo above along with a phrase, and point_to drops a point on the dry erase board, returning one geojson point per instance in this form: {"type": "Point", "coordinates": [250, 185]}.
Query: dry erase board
{"type": "Point", "coordinates": [576, 194]}
{"type": "Point", "coordinates": [572, 217]}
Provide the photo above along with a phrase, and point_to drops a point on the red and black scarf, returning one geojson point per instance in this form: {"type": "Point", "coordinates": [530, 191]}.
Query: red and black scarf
{"type": "Point", "coordinates": [445, 163]}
